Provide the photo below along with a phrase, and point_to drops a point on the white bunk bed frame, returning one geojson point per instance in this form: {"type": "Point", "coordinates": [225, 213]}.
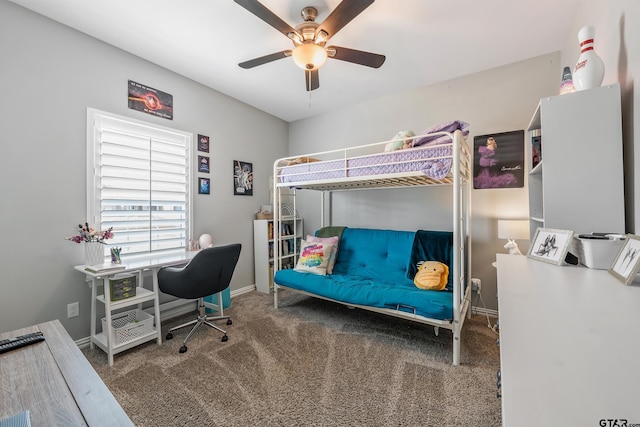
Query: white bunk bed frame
{"type": "Point", "coordinates": [460, 179]}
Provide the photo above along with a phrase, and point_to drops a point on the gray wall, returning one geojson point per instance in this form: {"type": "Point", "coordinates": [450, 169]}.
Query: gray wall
{"type": "Point", "coordinates": [50, 74]}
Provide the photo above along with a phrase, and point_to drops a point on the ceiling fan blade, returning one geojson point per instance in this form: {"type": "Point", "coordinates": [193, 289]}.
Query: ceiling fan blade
{"type": "Point", "coordinates": [342, 15]}
{"type": "Point", "coordinates": [259, 10]}
{"type": "Point", "coordinates": [311, 79]}
{"type": "Point", "coordinates": [361, 57]}
{"type": "Point", "coordinates": [265, 59]}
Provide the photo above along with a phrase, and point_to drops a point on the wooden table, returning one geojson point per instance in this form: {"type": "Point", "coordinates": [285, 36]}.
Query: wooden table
{"type": "Point", "coordinates": [55, 382]}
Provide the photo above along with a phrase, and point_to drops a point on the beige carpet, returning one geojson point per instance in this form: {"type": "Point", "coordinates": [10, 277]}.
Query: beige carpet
{"type": "Point", "coordinates": [310, 363]}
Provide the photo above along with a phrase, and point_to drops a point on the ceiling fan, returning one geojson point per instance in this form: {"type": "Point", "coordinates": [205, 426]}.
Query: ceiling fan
{"type": "Point", "coordinates": [309, 38]}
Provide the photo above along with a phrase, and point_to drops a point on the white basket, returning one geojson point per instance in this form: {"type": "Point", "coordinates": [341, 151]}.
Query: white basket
{"type": "Point", "coordinates": [128, 325]}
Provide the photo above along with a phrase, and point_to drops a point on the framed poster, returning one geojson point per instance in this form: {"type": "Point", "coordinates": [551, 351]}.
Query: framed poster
{"type": "Point", "coordinates": [550, 245]}
{"type": "Point", "coordinates": [204, 186]}
{"type": "Point", "coordinates": [627, 263]}
{"type": "Point", "coordinates": [149, 100]}
{"type": "Point", "coordinates": [203, 143]}
{"type": "Point", "coordinates": [498, 160]}
{"type": "Point", "coordinates": [203, 164]}
{"type": "Point", "coordinates": [242, 178]}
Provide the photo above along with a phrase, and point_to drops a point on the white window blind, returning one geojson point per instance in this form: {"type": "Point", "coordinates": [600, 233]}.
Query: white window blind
{"type": "Point", "coordinates": [139, 183]}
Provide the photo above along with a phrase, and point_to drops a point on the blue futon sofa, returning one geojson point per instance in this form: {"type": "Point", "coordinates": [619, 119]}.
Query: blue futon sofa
{"type": "Point", "coordinates": [375, 268]}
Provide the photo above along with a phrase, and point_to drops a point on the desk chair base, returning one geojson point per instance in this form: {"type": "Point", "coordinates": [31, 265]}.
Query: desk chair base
{"type": "Point", "coordinates": [202, 319]}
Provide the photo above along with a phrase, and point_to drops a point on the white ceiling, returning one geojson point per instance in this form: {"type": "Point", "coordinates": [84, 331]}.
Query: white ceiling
{"type": "Point", "coordinates": [425, 42]}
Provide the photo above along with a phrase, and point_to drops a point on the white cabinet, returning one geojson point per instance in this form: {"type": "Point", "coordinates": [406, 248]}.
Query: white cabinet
{"type": "Point", "coordinates": [578, 184]}
{"type": "Point", "coordinates": [290, 239]}
{"type": "Point", "coordinates": [568, 346]}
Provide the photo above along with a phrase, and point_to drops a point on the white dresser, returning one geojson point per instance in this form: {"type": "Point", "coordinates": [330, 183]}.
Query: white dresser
{"type": "Point", "coordinates": [569, 345]}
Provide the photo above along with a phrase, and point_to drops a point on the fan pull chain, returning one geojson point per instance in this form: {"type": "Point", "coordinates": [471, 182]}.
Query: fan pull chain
{"type": "Point", "coordinates": [308, 75]}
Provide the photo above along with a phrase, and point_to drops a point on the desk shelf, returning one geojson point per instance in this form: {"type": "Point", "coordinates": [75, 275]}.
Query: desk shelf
{"type": "Point", "coordinates": [142, 295]}
{"type": "Point", "coordinates": [101, 341]}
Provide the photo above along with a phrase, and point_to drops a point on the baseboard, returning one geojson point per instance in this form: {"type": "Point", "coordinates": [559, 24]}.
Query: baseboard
{"type": "Point", "coordinates": [171, 309]}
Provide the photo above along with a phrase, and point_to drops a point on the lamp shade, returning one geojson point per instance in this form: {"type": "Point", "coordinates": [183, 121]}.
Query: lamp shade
{"type": "Point", "coordinates": [309, 56]}
{"type": "Point", "coordinates": [514, 229]}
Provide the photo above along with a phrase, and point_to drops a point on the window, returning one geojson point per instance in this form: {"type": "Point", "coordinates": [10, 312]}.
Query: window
{"type": "Point", "coordinates": [138, 182]}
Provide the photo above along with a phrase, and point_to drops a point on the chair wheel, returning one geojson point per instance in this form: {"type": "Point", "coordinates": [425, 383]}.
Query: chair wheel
{"type": "Point", "coordinates": [183, 349]}
{"type": "Point", "coordinates": [229, 322]}
{"type": "Point", "coordinates": [169, 336]}
{"type": "Point", "coordinates": [225, 338]}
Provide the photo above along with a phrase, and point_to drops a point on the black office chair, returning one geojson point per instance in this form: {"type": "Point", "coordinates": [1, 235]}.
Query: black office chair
{"type": "Point", "coordinates": [209, 272]}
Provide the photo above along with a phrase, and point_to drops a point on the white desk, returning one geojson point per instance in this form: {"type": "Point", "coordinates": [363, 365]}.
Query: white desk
{"type": "Point", "coordinates": [569, 346]}
{"type": "Point", "coordinates": [138, 265]}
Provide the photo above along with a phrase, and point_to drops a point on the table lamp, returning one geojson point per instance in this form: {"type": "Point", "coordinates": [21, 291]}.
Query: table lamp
{"type": "Point", "coordinates": [512, 230]}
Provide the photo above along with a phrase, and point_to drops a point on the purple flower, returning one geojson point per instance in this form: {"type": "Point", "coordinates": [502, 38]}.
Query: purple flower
{"type": "Point", "coordinates": [88, 234]}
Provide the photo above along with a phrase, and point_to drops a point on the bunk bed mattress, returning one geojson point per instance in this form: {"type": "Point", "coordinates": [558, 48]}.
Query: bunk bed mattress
{"type": "Point", "coordinates": [357, 290]}
{"type": "Point", "coordinates": [433, 161]}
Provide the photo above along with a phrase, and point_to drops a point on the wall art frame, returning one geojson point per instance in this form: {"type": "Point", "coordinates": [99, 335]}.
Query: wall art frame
{"type": "Point", "coordinates": [498, 160]}
{"type": "Point", "coordinates": [550, 245]}
{"type": "Point", "coordinates": [242, 178]}
{"type": "Point", "coordinates": [626, 264]}
{"type": "Point", "coordinates": [204, 185]}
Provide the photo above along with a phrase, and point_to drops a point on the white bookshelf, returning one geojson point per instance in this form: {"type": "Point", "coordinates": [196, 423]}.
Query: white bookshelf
{"type": "Point", "coordinates": [263, 249]}
{"type": "Point", "coordinates": [578, 184]}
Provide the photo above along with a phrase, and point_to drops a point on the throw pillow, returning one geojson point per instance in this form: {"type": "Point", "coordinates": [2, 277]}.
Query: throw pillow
{"type": "Point", "coordinates": [334, 251]}
{"type": "Point", "coordinates": [314, 257]}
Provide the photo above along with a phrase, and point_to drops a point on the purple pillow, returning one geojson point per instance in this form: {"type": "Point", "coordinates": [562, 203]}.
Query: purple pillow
{"type": "Point", "coordinates": [441, 127]}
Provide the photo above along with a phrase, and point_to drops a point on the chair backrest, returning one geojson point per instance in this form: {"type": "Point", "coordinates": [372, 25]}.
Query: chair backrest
{"type": "Point", "coordinates": [208, 272]}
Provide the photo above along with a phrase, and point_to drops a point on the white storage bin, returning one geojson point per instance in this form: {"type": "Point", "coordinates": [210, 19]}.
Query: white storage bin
{"type": "Point", "coordinates": [128, 325]}
{"type": "Point", "coordinates": [598, 253]}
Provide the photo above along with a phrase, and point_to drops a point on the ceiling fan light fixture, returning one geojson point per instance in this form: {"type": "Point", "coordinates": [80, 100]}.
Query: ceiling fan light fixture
{"type": "Point", "coordinates": [309, 56]}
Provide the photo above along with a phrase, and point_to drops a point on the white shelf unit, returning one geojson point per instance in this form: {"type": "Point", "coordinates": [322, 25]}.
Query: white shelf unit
{"type": "Point", "coordinates": [142, 295]}
{"type": "Point", "coordinates": [263, 248]}
{"type": "Point", "coordinates": [578, 184]}
{"type": "Point", "coordinates": [103, 339]}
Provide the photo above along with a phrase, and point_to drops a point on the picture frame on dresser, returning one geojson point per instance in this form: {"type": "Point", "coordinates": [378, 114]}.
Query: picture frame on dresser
{"type": "Point", "coordinates": [550, 245]}
{"type": "Point", "coordinates": [626, 264]}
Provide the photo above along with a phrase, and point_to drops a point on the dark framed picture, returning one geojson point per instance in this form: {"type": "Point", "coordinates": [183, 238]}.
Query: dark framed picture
{"type": "Point", "coordinates": [242, 178]}
{"type": "Point", "coordinates": [204, 186]}
{"type": "Point", "coordinates": [627, 263]}
{"type": "Point", "coordinates": [203, 143]}
{"type": "Point", "coordinates": [203, 164]}
{"type": "Point", "coordinates": [536, 149]}
{"type": "Point", "coordinates": [498, 160]}
{"type": "Point", "coordinates": [149, 100]}
{"type": "Point", "coordinates": [550, 245]}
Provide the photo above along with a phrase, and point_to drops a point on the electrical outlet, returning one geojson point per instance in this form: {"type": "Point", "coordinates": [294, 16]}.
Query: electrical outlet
{"type": "Point", "coordinates": [73, 310]}
{"type": "Point", "coordinates": [476, 285]}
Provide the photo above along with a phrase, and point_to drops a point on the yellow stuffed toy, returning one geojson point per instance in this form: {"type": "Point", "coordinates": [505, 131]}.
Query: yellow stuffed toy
{"type": "Point", "coordinates": [432, 275]}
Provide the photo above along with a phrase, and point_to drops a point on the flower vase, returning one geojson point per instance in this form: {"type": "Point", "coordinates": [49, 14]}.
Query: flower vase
{"type": "Point", "coordinates": [93, 253]}
{"type": "Point", "coordinates": [589, 70]}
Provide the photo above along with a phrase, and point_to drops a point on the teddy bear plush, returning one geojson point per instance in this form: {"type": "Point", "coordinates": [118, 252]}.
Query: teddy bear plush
{"type": "Point", "coordinates": [432, 275]}
{"type": "Point", "coordinates": [402, 140]}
